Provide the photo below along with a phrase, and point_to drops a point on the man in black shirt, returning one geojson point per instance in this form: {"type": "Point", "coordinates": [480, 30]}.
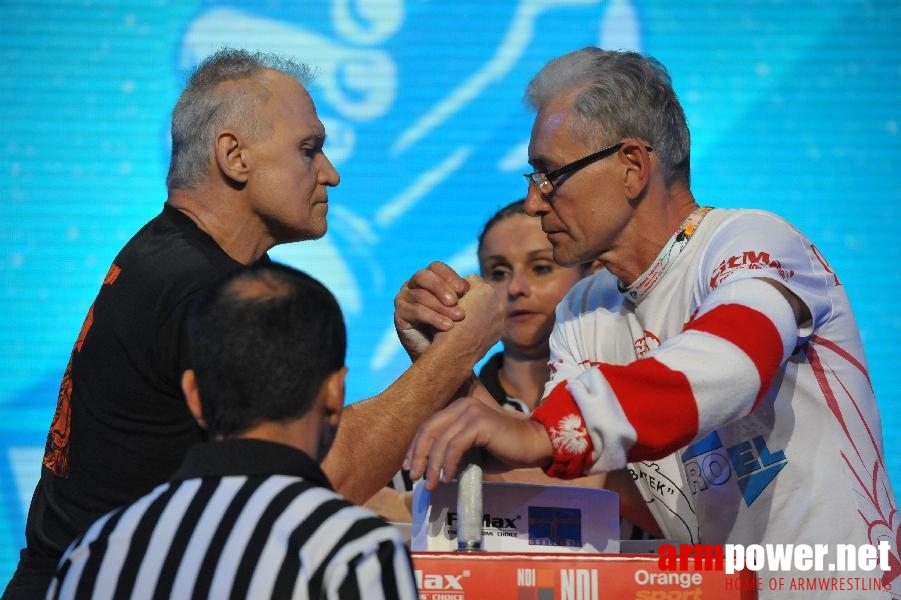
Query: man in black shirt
{"type": "Point", "coordinates": [247, 172]}
{"type": "Point", "coordinates": [250, 514]}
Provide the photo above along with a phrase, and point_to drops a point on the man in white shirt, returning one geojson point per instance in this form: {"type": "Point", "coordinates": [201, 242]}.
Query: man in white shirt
{"type": "Point", "coordinates": [727, 373]}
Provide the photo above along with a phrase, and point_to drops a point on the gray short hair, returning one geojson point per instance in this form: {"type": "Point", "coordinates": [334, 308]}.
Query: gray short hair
{"type": "Point", "coordinates": [205, 107]}
{"type": "Point", "coordinates": [620, 94]}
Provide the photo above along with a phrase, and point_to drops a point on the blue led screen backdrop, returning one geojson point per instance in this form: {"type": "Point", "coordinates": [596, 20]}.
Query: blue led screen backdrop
{"type": "Point", "coordinates": [794, 107]}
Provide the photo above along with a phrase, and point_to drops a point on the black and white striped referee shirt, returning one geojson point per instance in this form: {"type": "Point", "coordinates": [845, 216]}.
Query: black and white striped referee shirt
{"type": "Point", "coordinates": [241, 519]}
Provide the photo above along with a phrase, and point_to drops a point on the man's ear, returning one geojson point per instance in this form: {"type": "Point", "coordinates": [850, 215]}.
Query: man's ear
{"type": "Point", "coordinates": [333, 390]}
{"type": "Point", "coordinates": [638, 168]}
{"type": "Point", "coordinates": [192, 396]}
{"type": "Point", "coordinates": [231, 156]}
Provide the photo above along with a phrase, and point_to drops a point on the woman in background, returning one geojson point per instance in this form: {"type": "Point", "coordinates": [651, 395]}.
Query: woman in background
{"type": "Point", "coordinates": [517, 260]}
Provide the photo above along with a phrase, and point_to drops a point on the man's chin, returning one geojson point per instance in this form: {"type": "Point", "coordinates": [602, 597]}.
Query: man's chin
{"type": "Point", "coordinates": [566, 259]}
{"type": "Point", "coordinates": [303, 235]}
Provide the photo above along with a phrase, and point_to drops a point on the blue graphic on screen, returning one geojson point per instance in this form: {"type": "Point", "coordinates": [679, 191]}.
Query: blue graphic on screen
{"type": "Point", "coordinates": [793, 108]}
{"type": "Point", "coordinates": [555, 526]}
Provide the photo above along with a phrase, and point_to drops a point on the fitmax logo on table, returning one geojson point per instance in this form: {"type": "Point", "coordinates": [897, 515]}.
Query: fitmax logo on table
{"type": "Point", "coordinates": [488, 520]}
{"type": "Point", "coordinates": [708, 463]}
{"type": "Point", "coordinates": [443, 582]}
{"type": "Point", "coordinates": [492, 525]}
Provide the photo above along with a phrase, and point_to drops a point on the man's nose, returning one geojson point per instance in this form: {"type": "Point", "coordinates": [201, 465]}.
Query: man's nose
{"type": "Point", "coordinates": [536, 203]}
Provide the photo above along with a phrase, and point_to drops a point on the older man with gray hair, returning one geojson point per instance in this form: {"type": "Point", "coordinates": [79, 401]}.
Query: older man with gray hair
{"type": "Point", "coordinates": [248, 172]}
{"type": "Point", "coordinates": [728, 373]}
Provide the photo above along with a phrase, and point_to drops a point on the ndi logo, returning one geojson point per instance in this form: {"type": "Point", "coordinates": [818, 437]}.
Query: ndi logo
{"type": "Point", "coordinates": [555, 526]}
{"type": "Point", "coordinates": [578, 584]}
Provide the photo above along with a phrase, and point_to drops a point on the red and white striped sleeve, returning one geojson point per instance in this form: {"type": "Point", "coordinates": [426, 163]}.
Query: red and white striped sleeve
{"type": "Point", "coordinates": [712, 373]}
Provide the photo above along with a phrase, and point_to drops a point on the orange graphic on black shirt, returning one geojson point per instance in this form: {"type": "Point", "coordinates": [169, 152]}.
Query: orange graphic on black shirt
{"type": "Point", "coordinates": [56, 452]}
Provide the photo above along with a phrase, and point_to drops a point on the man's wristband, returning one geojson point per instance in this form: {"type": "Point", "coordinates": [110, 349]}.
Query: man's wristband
{"type": "Point", "coordinates": [572, 449]}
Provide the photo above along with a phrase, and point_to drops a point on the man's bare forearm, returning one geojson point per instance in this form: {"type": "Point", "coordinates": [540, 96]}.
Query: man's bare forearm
{"type": "Point", "coordinates": [374, 434]}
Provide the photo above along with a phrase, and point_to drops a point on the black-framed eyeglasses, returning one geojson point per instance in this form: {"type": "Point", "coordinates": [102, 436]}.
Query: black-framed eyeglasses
{"type": "Point", "coordinates": [545, 181]}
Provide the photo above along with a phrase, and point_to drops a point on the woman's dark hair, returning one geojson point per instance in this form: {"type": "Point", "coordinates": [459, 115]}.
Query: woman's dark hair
{"type": "Point", "coordinates": [512, 209]}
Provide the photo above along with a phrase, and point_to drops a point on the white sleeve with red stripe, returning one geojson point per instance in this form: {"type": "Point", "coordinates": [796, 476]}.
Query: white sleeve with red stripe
{"type": "Point", "coordinates": [712, 373]}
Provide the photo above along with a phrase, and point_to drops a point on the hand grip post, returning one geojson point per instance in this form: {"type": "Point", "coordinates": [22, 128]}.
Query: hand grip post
{"type": "Point", "coordinates": [469, 503]}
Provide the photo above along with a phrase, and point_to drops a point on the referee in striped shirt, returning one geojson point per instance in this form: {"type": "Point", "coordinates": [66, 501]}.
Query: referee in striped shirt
{"type": "Point", "coordinates": [251, 514]}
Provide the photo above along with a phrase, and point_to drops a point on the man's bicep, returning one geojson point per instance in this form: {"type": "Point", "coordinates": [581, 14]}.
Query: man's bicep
{"type": "Point", "coordinates": [799, 308]}
{"type": "Point", "coordinates": [759, 245]}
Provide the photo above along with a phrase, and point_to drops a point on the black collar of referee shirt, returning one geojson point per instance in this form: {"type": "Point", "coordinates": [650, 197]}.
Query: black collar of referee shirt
{"type": "Point", "coordinates": [246, 456]}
